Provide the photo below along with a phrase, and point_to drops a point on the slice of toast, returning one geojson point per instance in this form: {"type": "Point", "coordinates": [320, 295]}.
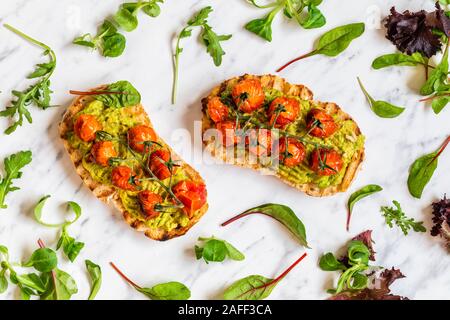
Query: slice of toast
{"type": "Point", "coordinates": [275, 82]}
{"type": "Point", "coordinates": [107, 192]}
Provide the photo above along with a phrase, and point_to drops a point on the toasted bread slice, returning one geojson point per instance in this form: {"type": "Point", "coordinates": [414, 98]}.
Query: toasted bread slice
{"type": "Point", "coordinates": [108, 193]}
{"type": "Point", "coordinates": [275, 82]}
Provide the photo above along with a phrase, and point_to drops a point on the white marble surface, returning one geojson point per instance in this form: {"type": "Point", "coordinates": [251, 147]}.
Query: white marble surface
{"type": "Point", "coordinates": [392, 145]}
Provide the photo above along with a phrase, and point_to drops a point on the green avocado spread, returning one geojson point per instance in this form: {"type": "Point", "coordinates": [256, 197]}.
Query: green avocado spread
{"type": "Point", "coordinates": [116, 122]}
{"type": "Point", "coordinates": [345, 140]}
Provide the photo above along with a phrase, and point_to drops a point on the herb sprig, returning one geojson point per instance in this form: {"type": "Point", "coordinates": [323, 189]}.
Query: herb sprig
{"type": "Point", "coordinates": [37, 94]}
{"type": "Point", "coordinates": [397, 216]}
{"type": "Point", "coordinates": [211, 40]}
{"type": "Point", "coordinates": [305, 12]}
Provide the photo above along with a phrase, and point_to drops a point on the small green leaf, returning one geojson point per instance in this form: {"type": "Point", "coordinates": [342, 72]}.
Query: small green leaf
{"type": "Point", "coordinates": [437, 77]}
{"type": "Point", "coordinates": [114, 45]}
{"type": "Point", "coordinates": [382, 109]}
{"type": "Point", "coordinates": [126, 19]}
{"type": "Point", "coordinates": [216, 250]}
{"type": "Point", "coordinates": [126, 95]}
{"type": "Point", "coordinates": [398, 59]}
{"type": "Point", "coordinates": [328, 262]}
{"type": "Point", "coordinates": [3, 281]}
{"type": "Point", "coordinates": [95, 273]}
{"type": "Point", "coordinates": [261, 27]}
{"type": "Point", "coordinates": [167, 291]}
{"type": "Point", "coordinates": [59, 286]}
{"type": "Point", "coordinates": [43, 260]}
{"type": "Point", "coordinates": [439, 103]}
{"type": "Point", "coordinates": [314, 18]}
{"type": "Point", "coordinates": [253, 287]}
{"type": "Point", "coordinates": [397, 216]}
{"type": "Point", "coordinates": [420, 173]}
{"type": "Point", "coordinates": [358, 195]}
{"type": "Point", "coordinates": [282, 214]}
{"type": "Point", "coordinates": [338, 39]}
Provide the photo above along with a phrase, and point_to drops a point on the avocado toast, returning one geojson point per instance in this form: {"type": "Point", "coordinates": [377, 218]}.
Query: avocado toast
{"type": "Point", "coordinates": [116, 152]}
{"type": "Point", "coordinates": [310, 145]}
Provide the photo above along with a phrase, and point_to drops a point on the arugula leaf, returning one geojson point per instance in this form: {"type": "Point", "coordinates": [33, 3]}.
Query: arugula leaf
{"type": "Point", "coordinates": [282, 214]}
{"type": "Point", "coordinates": [216, 250]}
{"type": "Point", "coordinates": [333, 42]}
{"type": "Point", "coordinates": [13, 165]}
{"type": "Point", "coordinates": [165, 291]}
{"type": "Point", "coordinates": [382, 109]}
{"type": "Point", "coordinates": [256, 287]}
{"type": "Point", "coordinates": [399, 59]}
{"type": "Point", "coordinates": [43, 260]}
{"type": "Point", "coordinates": [37, 94]}
{"type": "Point", "coordinates": [212, 43]}
{"type": "Point", "coordinates": [95, 272]}
{"type": "Point", "coordinates": [59, 285]}
{"type": "Point", "coordinates": [397, 216]}
{"type": "Point", "coordinates": [211, 40]}
{"type": "Point", "coordinates": [422, 170]}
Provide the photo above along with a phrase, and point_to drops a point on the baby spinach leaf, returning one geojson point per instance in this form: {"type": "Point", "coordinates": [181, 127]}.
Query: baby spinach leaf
{"type": "Point", "coordinates": [13, 164]}
{"type": "Point", "coordinates": [59, 285]}
{"type": "Point", "coordinates": [165, 291]}
{"type": "Point", "coordinates": [328, 262]}
{"type": "Point", "coordinates": [382, 109]}
{"type": "Point", "coordinates": [120, 94]}
{"type": "Point", "coordinates": [422, 170]}
{"type": "Point", "coordinates": [114, 45]}
{"type": "Point", "coordinates": [256, 287]}
{"type": "Point", "coordinates": [333, 42]}
{"type": "Point", "coordinates": [95, 273]}
{"type": "Point", "coordinates": [43, 260]}
{"type": "Point", "coordinates": [358, 195]}
{"type": "Point", "coordinates": [216, 250]}
{"type": "Point", "coordinates": [398, 59]}
{"type": "Point", "coordinates": [282, 214]}
{"type": "Point", "coordinates": [397, 216]}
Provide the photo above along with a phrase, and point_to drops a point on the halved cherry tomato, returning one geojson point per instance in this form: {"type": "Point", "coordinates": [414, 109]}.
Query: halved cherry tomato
{"type": "Point", "coordinates": [283, 111]}
{"type": "Point", "coordinates": [248, 95]}
{"type": "Point", "coordinates": [86, 126]}
{"type": "Point", "coordinates": [102, 151]}
{"type": "Point", "coordinates": [158, 166]}
{"type": "Point", "coordinates": [140, 134]}
{"type": "Point", "coordinates": [217, 110]}
{"type": "Point", "coordinates": [326, 162]}
{"type": "Point", "coordinates": [320, 124]}
{"type": "Point", "coordinates": [148, 201]}
{"type": "Point", "coordinates": [122, 177]}
{"type": "Point", "coordinates": [228, 131]}
{"type": "Point", "coordinates": [294, 154]}
{"type": "Point", "coordinates": [191, 194]}
{"type": "Point", "coordinates": [260, 142]}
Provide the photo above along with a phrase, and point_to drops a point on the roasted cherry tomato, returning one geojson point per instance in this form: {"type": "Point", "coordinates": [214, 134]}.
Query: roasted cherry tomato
{"type": "Point", "coordinates": [320, 124]}
{"type": "Point", "coordinates": [86, 126]}
{"type": "Point", "coordinates": [259, 142]}
{"type": "Point", "coordinates": [217, 110]}
{"type": "Point", "coordinates": [294, 154]}
{"type": "Point", "coordinates": [158, 164]}
{"type": "Point", "coordinates": [102, 151]}
{"type": "Point", "coordinates": [326, 162]}
{"type": "Point", "coordinates": [248, 95]}
{"type": "Point", "coordinates": [191, 194]}
{"type": "Point", "coordinates": [148, 201]}
{"type": "Point", "coordinates": [122, 177]}
{"type": "Point", "coordinates": [283, 111]}
{"type": "Point", "coordinates": [228, 131]}
{"type": "Point", "coordinates": [140, 134]}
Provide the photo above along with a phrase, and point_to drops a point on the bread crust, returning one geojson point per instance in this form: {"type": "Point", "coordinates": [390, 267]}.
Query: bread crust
{"type": "Point", "coordinates": [275, 82]}
{"type": "Point", "coordinates": [108, 193]}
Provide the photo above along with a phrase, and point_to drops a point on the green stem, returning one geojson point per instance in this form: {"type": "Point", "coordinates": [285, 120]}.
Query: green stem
{"type": "Point", "coordinates": [176, 63]}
